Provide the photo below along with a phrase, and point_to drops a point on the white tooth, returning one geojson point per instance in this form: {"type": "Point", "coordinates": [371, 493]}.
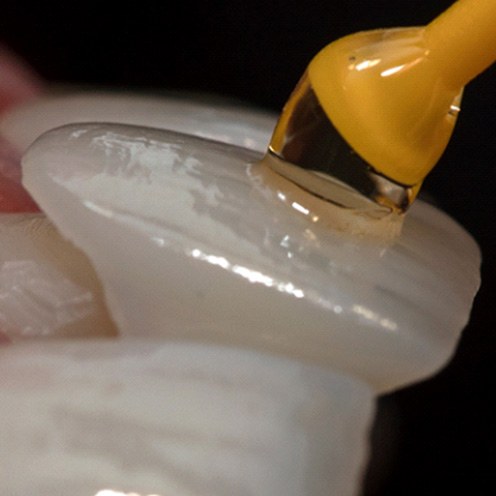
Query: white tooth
{"type": "Point", "coordinates": [144, 417]}
{"type": "Point", "coordinates": [47, 287]}
{"type": "Point", "coordinates": [245, 127]}
{"type": "Point", "coordinates": [190, 244]}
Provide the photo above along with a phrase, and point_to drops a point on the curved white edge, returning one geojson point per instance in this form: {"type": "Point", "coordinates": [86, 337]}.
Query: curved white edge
{"type": "Point", "coordinates": [390, 315]}
{"type": "Point", "coordinates": [220, 121]}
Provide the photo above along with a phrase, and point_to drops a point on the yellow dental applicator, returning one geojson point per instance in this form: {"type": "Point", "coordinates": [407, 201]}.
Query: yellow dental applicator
{"type": "Point", "coordinates": [375, 110]}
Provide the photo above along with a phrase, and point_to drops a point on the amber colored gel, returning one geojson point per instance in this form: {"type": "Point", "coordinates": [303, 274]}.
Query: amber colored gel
{"type": "Point", "coordinates": [394, 94]}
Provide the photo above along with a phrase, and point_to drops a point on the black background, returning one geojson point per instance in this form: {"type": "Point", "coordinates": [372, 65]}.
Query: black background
{"type": "Point", "coordinates": [438, 437]}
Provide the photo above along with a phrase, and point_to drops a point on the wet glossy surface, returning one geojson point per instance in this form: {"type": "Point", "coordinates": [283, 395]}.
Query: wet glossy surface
{"type": "Point", "coordinates": [306, 137]}
{"type": "Point", "coordinates": [213, 253]}
{"type": "Point", "coordinates": [385, 95]}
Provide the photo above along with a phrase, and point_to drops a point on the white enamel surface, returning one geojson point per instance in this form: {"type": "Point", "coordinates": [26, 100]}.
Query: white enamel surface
{"type": "Point", "coordinates": [189, 243]}
{"type": "Point", "coordinates": [47, 286]}
{"type": "Point", "coordinates": [224, 122]}
{"type": "Point", "coordinates": [168, 419]}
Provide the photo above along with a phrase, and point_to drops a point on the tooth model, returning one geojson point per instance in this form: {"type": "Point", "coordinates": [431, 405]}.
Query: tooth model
{"type": "Point", "coordinates": [260, 300]}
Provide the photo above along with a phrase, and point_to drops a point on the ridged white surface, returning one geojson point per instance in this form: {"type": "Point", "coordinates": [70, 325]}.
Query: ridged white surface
{"type": "Point", "coordinates": [222, 121]}
{"type": "Point", "coordinates": [47, 286]}
{"type": "Point", "coordinates": [190, 243]}
{"type": "Point", "coordinates": [150, 417]}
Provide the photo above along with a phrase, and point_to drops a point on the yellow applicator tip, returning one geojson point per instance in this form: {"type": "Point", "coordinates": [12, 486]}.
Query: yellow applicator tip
{"type": "Point", "coordinates": [375, 110]}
